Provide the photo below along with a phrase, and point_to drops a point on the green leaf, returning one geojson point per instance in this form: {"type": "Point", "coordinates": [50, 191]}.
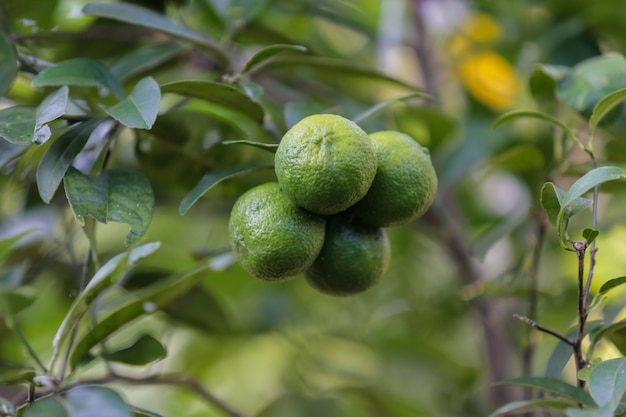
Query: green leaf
{"type": "Point", "coordinates": [223, 102]}
{"type": "Point", "coordinates": [612, 283]}
{"type": "Point", "coordinates": [603, 107]}
{"type": "Point", "coordinates": [268, 52]}
{"type": "Point", "coordinates": [592, 178]}
{"type": "Point", "coordinates": [17, 125]}
{"type": "Point", "coordinates": [607, 383]}
{"type": "Point", "coordinates": [140, 16]}
{"type": "Point", "coordinates": [140, 412]}
{"type": "Point", "coordinates": [146, 349]}
{"type": "Point", "coordinates": [48, 407]}
{"type": "Point", "coordinates": [217, 93]}
{"type": "Point", "coordinates": [81, 72]}
{"type": "Point", "coordinates": [90, 401]}
{"type": "Point", "coordinates": [9, 151]}
{"type": "Point", "coordinates": [138, 304]}
{"type": "Point", "coordinates": [335, 67]}
{"type": "Point", "coordinates": [14, 301]}
{"type": "Point", "coordinates": [528, 405]}
{"type": "Point", "coordinates": [211, 179]}
{"type": "Point", "coordinates": [615, 332]}
{"type": "Point", "coordinates": [590, 235]}
{"type": "Point", "coordinates": [8, 243]}
{"type": "Point", "coordinates": [53, 106]}
{"type": "Point", "coordinates": [119, 196]}
{"type": "Point", "coordinates": [200, 309]}
{"type": "Point", "coordinates": [380, 106]}
{"type": "Point", "coordinates": [16, 376]}
{"type": "Point", "coordinates": [553, 385]}
{"type": "Point", "coordinates": [550, 199]}
{"type": "Point", "coordinates": [59, 157]}
{"type": "Point", "coordinates": [8, 64]}
{"type": "Point", "coordinates": [270, 147]}
{"type": "Point", "coordinates": [107, 275]}
{"type": "Point", "coordinates": [583, 87]}
{"type": "Point", "coordinates": [518, 114]}
{"type": "Point", "coordinates": [140, 108]}
{"type": "Point", "coordinates": [143, 59]}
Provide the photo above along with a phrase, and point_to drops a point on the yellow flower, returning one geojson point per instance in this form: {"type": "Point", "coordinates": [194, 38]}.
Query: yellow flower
{"type": "Point", "coordinates": [490, 78]}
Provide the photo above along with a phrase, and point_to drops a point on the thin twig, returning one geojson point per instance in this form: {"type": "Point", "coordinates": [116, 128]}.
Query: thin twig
{"type": "Point", "coordinates": [533, 284]}
{"type": "Point", "coordinates": [543, 329]}
{"type": "Point", "coordinates": [174, 380]}
{"type": "Point", "coordinates": [83, 284]}
{"type": "Point", "coordinates": [581, 249]}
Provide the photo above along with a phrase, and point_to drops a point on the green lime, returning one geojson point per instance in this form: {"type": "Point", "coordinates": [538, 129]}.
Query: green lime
{"type": "Point", "coordinates": [405, 184]}
{"type": "Point", "coordinates": [272, 238]}
{"type": "Point", "coordinates": [325, 163]}
{"type": "Point", "coordinates": [354, 257]}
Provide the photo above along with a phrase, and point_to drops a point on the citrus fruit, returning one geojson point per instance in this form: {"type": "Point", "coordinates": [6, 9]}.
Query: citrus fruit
{"type": "Point", "coordinates": [272, 238]}
{"type": "Point", "coordinates": [405, 184]}
{"type": "Point", "coordinates": [354, 257]}
{"type": "Point", "coordinates": [325, 163]}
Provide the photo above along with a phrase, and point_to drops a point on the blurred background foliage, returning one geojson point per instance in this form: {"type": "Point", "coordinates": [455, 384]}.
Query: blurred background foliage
{"type": "Point", "coordinates": [435, 334]}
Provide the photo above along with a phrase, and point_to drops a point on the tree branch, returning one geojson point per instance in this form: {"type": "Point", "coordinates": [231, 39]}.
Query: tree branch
{"type": "Point", "coordinates": [166, 379]}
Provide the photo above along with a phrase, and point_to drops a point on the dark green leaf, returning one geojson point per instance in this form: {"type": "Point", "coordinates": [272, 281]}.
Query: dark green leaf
{"type": "Point", "coordinates": [271, 147]}
{"type": "Point", "coordinates": [615, 332]}
{"type": "Point", "coordinates": [79, 72]}
{"type": "Point", "coordinates": [53, 106]}
{"type": "Point", "coordinates": [7, 244]}
{"type": "Point", "coordinates": [140, 303]}
{"type": "Point", "coordinates": [58, 158]}
{"type": "Point", "coordinates": [224, 103]}
{"type": "Point", "coordinates": [140, 16]}
{"type": "Point", "coordinates": [211, 179]}
{"type": "Point", "coordinates": [612, 283]}
{"type": "Point", "coordinates": [146, 349]}
{"type": "Point", "coordinates": [200, 309]}
{"type": "Point", "coordinates": [268, 52]}
{"type": "Point", "coordinates": [8, 64]}
{"type": "Point", "coordinates": [380, 106]}
{"type": "Point", "coordinates": [14, 301]}
{"type": "Point", "coordinates": [528, 405]}
{"type": "Point", "coordinates": [221, 94]}
{"type": "Point", "coordinates": [523, 158]}
{"type": "Point", "coordinates": [48, 407]}
{"type": "Point", "coordinates": [16, 376]}
{"type": "Point", "coordinates": [17, 125]}
{"type": "Point", "coordinates": [553, 385]}
{"type": "Point", "coordinates": [590, 235]}
{"type": "Point", "coordinates": [333, 66]}
{"type": "Point", "coordinates": [140, 108]}
{"type": "Point", "coordinates": [107, 275]}
{"type": "Point", "coordinates": [90, 401]}
{"type": "Point", "coordinates": [143, 59]}
{"type": "Point", "coordinates": [119, 196]}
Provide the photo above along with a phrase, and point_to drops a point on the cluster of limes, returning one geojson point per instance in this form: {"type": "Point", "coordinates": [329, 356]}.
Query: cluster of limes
{"type": "Point", "coordinates": [337, 190]}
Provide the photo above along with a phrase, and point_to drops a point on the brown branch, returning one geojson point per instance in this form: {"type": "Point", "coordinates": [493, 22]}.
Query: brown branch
{"type": "Point", "coordinates": [166, 379]}
{"type": "Point", "coordinates": [495, 336]}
